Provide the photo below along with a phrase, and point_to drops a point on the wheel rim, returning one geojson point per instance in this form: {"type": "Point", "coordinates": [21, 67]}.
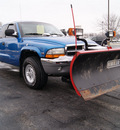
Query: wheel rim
{"type": "Point", "coordinates": [30, 74]}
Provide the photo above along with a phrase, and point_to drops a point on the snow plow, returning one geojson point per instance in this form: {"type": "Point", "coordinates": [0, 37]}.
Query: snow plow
{"type": "Point", "coordinates": [94, 73]}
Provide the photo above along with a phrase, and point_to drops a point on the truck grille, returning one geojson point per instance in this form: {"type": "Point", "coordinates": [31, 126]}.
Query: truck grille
{"type": "Point", "coordinates": [70, 49]}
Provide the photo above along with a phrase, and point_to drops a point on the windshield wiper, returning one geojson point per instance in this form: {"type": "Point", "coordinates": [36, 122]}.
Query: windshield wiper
{"type": "Point", "coordinates": [56, 34]}
{"type": "Point", "coordinates": [32, 34]}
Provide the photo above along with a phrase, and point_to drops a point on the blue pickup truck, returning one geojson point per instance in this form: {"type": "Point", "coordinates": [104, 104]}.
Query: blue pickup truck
{"type": "Point", "coordinates": [39, 50]}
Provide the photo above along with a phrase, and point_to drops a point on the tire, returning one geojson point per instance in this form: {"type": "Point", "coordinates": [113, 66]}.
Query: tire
{"type": "Point", "coordinates": [33, 73]}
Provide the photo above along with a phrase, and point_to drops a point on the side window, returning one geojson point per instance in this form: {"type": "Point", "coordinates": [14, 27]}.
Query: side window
{"type": "Point", "coordinates": [11, 26]}
{"type": "Point", "coordinates": [3, 30]}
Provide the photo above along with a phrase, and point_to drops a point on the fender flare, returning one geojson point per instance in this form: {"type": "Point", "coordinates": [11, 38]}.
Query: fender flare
{"type": "Point", "coordinates": [31, 48]}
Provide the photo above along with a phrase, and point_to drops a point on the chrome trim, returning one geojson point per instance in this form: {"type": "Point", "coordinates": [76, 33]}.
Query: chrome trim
{"type": "Point", "coordinates": [58, 66]}
{"type": "Point", "coordinates": [73, 50]}
{"type": "Point", "coordinates": [60, 59]}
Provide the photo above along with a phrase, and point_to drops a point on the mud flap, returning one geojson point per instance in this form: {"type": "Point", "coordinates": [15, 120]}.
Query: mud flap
{"type": "Point", "coordinates": [94, 73]}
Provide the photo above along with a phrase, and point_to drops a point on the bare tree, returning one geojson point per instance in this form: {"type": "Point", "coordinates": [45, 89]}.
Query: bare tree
{"type": "Point", "coordinates": [114, 23]}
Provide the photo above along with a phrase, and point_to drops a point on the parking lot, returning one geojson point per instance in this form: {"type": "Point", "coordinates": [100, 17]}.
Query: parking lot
{"type": "Point", "coordinates": [55, 107]}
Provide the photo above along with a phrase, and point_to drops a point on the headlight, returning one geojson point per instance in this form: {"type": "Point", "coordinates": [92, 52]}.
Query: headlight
{"type": "Point", "coordinates": [55, 53]}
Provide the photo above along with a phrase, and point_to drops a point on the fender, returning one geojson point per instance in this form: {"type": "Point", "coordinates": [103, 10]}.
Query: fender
{"type": "Point", "coordinates": [27, 48]}
{"type": "Point", "coordinates": [31, 48]}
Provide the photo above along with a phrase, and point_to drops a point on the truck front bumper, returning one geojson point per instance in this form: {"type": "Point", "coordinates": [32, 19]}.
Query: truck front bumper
{"type": "Point", "coordinates": [58, 66]}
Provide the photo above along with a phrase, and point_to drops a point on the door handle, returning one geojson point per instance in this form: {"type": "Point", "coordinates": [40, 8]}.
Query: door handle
{"type": "Point", "coordinates": [3, 43]}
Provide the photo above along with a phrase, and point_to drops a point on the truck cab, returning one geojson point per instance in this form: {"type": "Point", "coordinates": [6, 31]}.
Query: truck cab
{"type": "Point", "coordinates": [39, 50]}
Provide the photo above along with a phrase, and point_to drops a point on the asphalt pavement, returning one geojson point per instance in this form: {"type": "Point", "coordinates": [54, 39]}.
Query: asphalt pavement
{"type": "Point", "coordinates": [56, 107]}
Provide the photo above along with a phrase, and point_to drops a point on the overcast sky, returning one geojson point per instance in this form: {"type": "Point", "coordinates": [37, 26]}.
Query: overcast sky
{"type": "Point", "coordinates": [58, 12]}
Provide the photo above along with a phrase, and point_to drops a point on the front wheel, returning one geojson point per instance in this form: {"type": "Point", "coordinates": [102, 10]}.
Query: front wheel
{"type": "Point", "coordinates": [33, 73]}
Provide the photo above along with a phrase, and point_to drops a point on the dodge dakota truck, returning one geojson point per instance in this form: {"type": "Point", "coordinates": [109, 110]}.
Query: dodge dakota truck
{"type": "Point", "coordinates": [39, 50]}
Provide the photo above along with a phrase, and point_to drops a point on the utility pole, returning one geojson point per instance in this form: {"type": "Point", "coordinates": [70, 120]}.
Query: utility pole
{"type": "Point", "coordinates": [108, 15]}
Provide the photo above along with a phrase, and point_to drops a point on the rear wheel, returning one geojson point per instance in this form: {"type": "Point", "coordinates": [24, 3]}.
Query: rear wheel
{"type": "Point", "coordinates": [33, 73]}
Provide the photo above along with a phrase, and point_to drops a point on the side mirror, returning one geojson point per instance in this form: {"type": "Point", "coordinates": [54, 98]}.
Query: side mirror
{"type": "Point", "coordinates": [10, 32]}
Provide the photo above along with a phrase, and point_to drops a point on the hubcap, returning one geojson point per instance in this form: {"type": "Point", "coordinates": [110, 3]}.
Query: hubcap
{"type": "Point", "coordinates": [30, 74]}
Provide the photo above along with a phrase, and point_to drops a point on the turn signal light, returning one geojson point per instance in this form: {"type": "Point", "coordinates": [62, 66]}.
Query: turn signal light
{"type": "Point", "coordinates": [54, 56]}
{"type": "Point", "coordinates": [114, 33]}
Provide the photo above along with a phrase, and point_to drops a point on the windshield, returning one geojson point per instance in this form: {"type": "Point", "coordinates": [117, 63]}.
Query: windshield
{"type": "Point", "coordinates": [39, 29]}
